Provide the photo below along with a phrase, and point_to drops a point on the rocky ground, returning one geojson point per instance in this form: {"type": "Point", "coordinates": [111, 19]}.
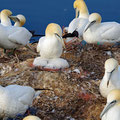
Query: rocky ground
{"type": "Point", "coordinates": [74, 92]}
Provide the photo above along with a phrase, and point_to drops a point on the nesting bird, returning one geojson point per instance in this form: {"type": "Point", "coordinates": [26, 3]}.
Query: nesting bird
{"type": "Point", "coordinates": [50, 48]}
{"type": "Point", "coordinates": [77, 25]}
{"type": "Point", "coordinates": [15, 99]}
{"type": "Point", "coordinates": [112, 109]}
{"type": "Point", "coordinates": [101, 33]}
{"type": "Point", "coordinates": [12, 37]}
{"type": "Point", "coordinates": [111, 78]}
{"type": "Point", "coordinates": [31, 117]}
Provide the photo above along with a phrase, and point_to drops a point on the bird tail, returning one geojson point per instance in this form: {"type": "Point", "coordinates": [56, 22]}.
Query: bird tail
{"type": "Point", "coordinates": [35, 35]}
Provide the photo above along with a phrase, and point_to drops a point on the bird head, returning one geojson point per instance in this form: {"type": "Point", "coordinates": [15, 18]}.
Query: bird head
{"type": "Point", "coordinates": [55, 30]}
{"type": "Point", "coordinates": [81, 8]}
{"type": "Point", "coordinates": [6, 12]}
{"type": "Point", "coordinates": [31, 117]}
{"type": "Point", "coordinates": [110, 66]}
{"type": "Point", "coordinates": [93, 18]}
{"type": "Point", "coordinates": [112, 99]}
{"type": "Point", "coordinates": [19, 20]}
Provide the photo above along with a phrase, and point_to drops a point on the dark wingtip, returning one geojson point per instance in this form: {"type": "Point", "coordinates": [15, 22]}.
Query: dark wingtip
{"type": "Point", "coordinates": [74, 34]}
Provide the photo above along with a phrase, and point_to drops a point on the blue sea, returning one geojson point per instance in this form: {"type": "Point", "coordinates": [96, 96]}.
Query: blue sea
{"type": "Point", "coordinates": [39, 13]}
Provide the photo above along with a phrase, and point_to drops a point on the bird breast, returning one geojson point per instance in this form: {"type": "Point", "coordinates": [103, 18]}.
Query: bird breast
{"type": "Point", "coordinates": [51, 48]}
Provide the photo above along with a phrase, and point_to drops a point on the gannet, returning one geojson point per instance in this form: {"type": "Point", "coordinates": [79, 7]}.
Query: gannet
{"type": "Point", "coordinates": [31, 117]}
{"type": "Point", "coordinates": [112, 109]}
{"type": "Point", "coordinates": [111, 78]}
{"type": "Point", "coordinates": [77, 25]}
{"type": "Point", "coordinates": [4, 16]}
{"type": "Point", "coordinates": [100, 33]}
{"type": "Point", "coordinates": [50, 48]}
{"type": "Point", "coordinates": [15, 99]}
{"type": "Point", "coordinates": [19, 20]}
{"type": "Point", "coordinates": [12, 37]}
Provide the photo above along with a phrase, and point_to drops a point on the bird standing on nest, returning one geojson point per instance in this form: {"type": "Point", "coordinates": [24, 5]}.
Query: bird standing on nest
{"type": "Point", "coordinates": [50, 48]}
{"type": "Point", "coordinates": [101, 33]}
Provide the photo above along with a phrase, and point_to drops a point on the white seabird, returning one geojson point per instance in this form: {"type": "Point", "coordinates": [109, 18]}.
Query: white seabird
{"type": "Point", "coordinates": [15, 99]}
{"type": "Point", "coordinates": [112, 109]}
{"type": "Point", "coordinates": [12, 37]}
{"type": "Point", "coordinates": [111, 78]}
{"type": "Point", "coordinates": [50, 48]}
{"type": "Point", "coordinates": [77, 25]}
{"type": "Point", "coordinates": [100, 33]}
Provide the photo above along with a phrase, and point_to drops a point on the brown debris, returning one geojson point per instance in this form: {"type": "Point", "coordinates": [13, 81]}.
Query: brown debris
{"type": "Point", "coordinates": [74, 93]}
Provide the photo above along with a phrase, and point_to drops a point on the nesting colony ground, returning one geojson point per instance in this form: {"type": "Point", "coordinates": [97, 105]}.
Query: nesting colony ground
{"type": "Point", "coordinates": [74, 93]}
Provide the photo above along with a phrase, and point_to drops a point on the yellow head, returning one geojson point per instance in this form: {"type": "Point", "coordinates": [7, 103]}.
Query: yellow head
{"type": "Point", "coordinates": [6, 12]}
{"type": "Point", "coordinates": [111, 64]}
{"type": "Point", "coordinates": [31, 117]}
{"type": "Point", "coordinates": [53, 28]}
{"type": "Point", "coordinates": [113, 99]}
{"type": "Point", "coordinates": [22, 20]}
{"type": "Point", "coordinates": [80, 6]}
{"type": "Point", "coordinates": [95, 17]}
{"type": "Point", "coordinates": [113, 95]}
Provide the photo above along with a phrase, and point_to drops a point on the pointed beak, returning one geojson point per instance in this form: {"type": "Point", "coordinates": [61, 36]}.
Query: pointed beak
{"type": "Point", "coordinates": [14, 18]}
{"type": "Point", "coordinates": [110, 74]}
{"type": "Point", "coordinates": [107, 107]}
{"type": "Point", "coordinates": [77, 12]}
{"type": "Point", "coordinates": [89, 25]}
{"type": "Point", "coordinates": [60, 39]}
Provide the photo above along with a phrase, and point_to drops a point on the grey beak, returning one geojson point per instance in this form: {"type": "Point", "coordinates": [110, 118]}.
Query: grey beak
{"type": "Point", "coordinates": [107, 107]}
{"type": "Point", "coordinates": [110, 76]}
{"type": "Point", "coordinates": [77, 12]}
{"type": "Point", "coordinates": [89, 25]}
{"type": "Point", "coordinates": [14, 18]}
{"type": "Point", "coordinates": [60, 39]}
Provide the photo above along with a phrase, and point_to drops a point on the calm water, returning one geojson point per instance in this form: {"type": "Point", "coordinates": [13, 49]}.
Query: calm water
{"type": "Point", "coordinates": [39, 13]}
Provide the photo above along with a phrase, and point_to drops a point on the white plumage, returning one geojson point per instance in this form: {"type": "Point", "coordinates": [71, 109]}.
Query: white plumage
{"type": "Point", "coordinates": [15, 99]}
{"type": "Point", "coordinates": [97, 32]}
{"type": "Point", "coordinates": [112, 109]}
{"type": "Point", "coordinates": [55, 63]}
{"type": "Point", "coordinates": [79, 23]}
{"type": "Point", "coordinates": [4, 16]}
{"type": "Point", "coordinates": [111, 78]}
{"type": "Point", "coordinates": [50, 48]}
{"type": "Point", "coordinates": [12, 37]}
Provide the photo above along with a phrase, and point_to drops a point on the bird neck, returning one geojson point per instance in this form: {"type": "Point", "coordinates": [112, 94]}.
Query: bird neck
{"type": "Point", "coordinates": [114, 74]}
{"type": "Point", "coordinates": [5, 20]}
{"type": "Point", "coordinates": [83, 10]}
{"type": "Point", "coordinates": [17, 24]}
